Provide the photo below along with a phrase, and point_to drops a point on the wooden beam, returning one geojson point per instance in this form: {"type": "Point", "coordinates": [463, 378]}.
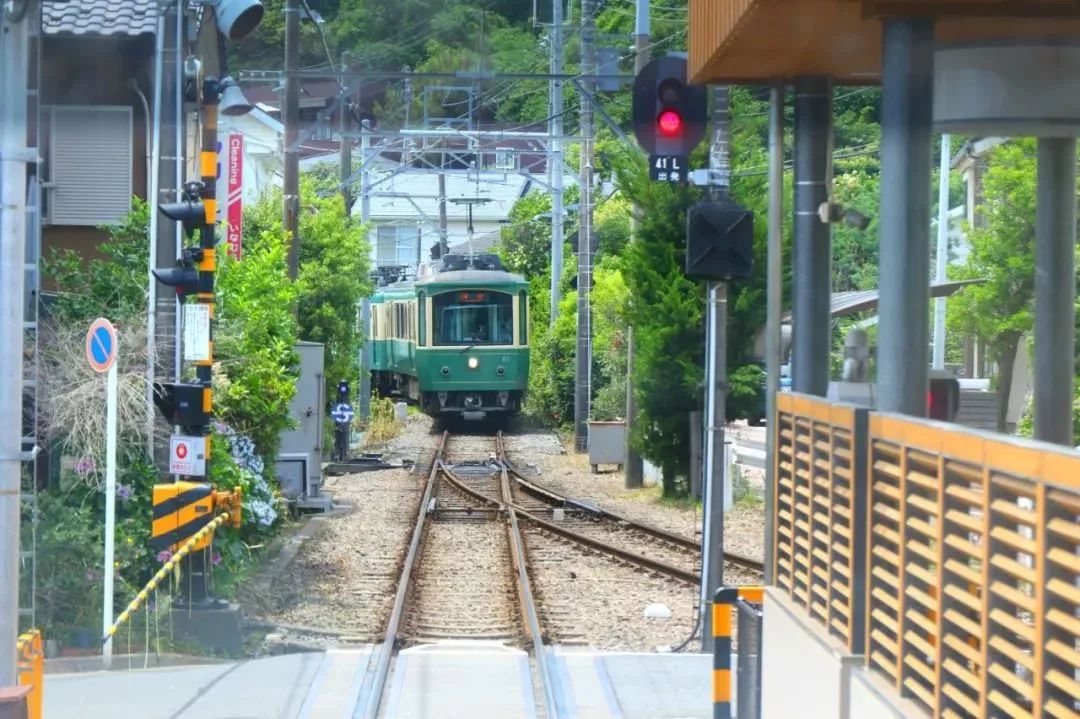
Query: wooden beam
{"type": "Point", "coordinates": [971, 8]}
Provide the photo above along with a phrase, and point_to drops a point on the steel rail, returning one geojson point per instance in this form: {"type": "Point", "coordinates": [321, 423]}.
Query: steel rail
{"type": "Point", "coordinates": [645, 562]}
{"type": "Point", "coordinates": [527, 602]}
{"type": "Point", "coordinates": [386, 652]}
{"type": "Point", "coordinates": [544, 493]}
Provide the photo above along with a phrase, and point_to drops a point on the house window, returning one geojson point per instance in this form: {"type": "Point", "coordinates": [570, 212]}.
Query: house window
{"type": "Point", "coordinates": [395, 245]}
{"type": "Point", "coordinates": [89, 165]}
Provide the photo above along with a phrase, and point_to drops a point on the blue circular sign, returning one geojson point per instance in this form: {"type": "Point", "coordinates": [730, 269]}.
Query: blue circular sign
{"type": "Point", "coordinates": [342, 413]}
{"type": "Point", "coordinates": [101, 344]}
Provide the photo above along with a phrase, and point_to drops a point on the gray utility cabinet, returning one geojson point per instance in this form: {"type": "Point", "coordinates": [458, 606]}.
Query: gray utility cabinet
{"type": "Point", "coordinates": [607, 443]}
{"type": "Point", "coordinates": [299, 462]}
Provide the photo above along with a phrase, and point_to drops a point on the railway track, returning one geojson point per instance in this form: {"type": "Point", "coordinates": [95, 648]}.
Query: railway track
{"type": "Point", "coordinates": [465, 576]}
{"type": "Point", "coordinates": [611, 528]}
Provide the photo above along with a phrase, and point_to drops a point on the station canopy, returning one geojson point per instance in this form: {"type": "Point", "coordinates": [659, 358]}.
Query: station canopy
{"type": "Point", "coordinates": [756, 41]}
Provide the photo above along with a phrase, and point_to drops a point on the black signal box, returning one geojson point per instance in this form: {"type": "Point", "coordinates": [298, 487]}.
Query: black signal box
{"type": "Point", "coordinates": [719, 241]}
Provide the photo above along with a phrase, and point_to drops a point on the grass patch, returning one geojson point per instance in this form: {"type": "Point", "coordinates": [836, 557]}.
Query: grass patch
{"type": "Point", "coordinates": [383, 426]}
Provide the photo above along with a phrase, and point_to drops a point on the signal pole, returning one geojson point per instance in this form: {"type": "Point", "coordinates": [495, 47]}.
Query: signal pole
{"type": "Point", "coordinates": [715, 388]}
{"type": "Point", "coordinates": [290, 212]}
{"type": "Point", "coordinates": [583, 378]}
{"type": "Point", "coordinates": [634, 470]}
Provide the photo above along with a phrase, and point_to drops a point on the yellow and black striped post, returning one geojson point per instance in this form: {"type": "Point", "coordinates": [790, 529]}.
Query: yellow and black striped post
{"type": "Point", "coordinates": [199, 539]}
{"type": "Point", "coordinates": [723, 615]}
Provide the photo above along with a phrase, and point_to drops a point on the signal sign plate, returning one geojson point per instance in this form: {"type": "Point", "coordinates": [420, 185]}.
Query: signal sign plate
{"type": "Point", "coordinates": [342, 413]}
{"type": "Point", "coordinates": [187, 455]}
{"type": "Point", "coordinates": [668, 168]}
{"type": "Point", "coordinates": [101, 345]}
{"type": "Point", "coordinates": [196, 333]}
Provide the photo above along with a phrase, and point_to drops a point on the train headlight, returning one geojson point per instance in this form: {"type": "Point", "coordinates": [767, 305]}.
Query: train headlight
{"type": "Point", "coordinates": [473, 363]}
{"type": "Point", "coordinates": [500, 370]}
{"type": "Point", "coordinates": [445, 371]}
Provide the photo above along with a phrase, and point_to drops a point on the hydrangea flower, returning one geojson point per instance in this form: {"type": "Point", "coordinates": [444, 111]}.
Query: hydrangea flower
{"type": "Point", "coordinates": [123, 492]}
{"type": "Point", "coordinates": [85, 466]}
{"type": "Point", "coordinates": [164, 555]}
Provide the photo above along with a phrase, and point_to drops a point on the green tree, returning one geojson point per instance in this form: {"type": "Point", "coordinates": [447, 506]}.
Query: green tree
{"type": "Point", "coordinates": [665, 309]}
{"type": "Point", "coordinates": [1000, 311]}
{"type": "Point", "coordinates": [114, 285]}
{"type": "Point", "coordinates": [334, 272]}
{"type": "Point", "coordinates": [256, 331]}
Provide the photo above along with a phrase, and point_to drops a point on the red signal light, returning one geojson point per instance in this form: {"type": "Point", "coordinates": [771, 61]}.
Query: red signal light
{"type": "Point", "coordinates": [670, 123]}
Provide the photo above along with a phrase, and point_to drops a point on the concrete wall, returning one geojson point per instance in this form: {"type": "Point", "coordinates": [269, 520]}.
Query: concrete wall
{"type": "Point", "coordinates": [806, 673]}
{"type": "Point", "coordinates": [810, 675]}
{"type": "Point", "coordinates": [873, 698]}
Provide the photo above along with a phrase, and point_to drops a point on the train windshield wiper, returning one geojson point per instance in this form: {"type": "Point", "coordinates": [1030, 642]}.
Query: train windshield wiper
{"type": "Point", "coordinates": [467, 348]}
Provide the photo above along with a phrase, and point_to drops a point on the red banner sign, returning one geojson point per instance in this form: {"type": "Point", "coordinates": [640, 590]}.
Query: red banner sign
{"type": "Point", "coordinates": [235, 198]}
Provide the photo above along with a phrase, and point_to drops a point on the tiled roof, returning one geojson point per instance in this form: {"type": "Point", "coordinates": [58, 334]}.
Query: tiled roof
{"type": "Point", "coordinates": [99, 17]}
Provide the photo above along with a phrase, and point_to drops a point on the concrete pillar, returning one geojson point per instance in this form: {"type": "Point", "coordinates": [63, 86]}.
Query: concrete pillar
{"type": "Point", "coordinates": [904, 256]}
{"type": "Point", "coordinates": [1055, 290]}
{"type": "Point", "coordinates": [813, 250]}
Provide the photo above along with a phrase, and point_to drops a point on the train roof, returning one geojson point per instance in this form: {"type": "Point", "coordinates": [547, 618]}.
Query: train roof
{"type": "Point", "coordinates": [458, 278]}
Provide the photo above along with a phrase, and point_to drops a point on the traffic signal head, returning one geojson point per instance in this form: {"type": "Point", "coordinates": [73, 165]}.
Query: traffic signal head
{"type": "Point", "coordinates": [184, 278]}
{"type": "Point", "coordinates": [191, 213]}
{"type": "Point", "coordinates": [943, 399]}
{"type": "Point", "coordinates": [183, 404]}
{"type": "Point", "coordinates": [669, 114]}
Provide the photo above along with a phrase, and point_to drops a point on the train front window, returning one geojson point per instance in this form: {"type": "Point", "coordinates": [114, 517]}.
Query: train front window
{"type": "Point", "coordinates": [473, 317]}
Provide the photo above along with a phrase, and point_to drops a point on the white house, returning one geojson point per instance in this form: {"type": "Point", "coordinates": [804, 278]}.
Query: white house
{"type": "Point", "coordinates": [404, 212]}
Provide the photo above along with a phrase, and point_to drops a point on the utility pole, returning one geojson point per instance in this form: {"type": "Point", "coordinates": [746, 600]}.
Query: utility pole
{"type": "Point", "coordinates": [582, 380]}
{"type": "Point", "coordinates": [444, 243]}
{"type": "Point", "coordinates": [365, 175]}
{"type": "Point", "coordinates": [634, 471]}
{"type": "Point", "coordinates": [715, 387]}
{"type": "Point", "coordinates": [165, 180]}
{"type": "Point", "coordinates": [345, 148]}
{"type": "Point", "coordinates": [290, 211]}
{"type": "Point", "coordinates": [942, 252]}
{"type": "Point", "coordinates": [555, 155]}
{"type": "Point", "coordinates": [14, 157]}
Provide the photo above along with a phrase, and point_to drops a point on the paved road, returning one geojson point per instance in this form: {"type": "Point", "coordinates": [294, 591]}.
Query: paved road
{"type": "Point", "coordinates": [478, 682]}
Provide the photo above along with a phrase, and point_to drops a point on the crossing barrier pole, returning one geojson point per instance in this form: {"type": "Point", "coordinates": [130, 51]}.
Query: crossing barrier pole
{"type": "Point", "coordinates": [723, 613]}
{"type": "Point", "coordinates": [30, 668]}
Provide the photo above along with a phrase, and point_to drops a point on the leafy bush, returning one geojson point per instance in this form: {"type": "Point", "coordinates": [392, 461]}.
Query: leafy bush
{"type": "Point", "coordinates": [257, 365]}
{"type": "Point", "coordinates": [383, 426]}
{"type": "Point", "coordinates": [334, 272]}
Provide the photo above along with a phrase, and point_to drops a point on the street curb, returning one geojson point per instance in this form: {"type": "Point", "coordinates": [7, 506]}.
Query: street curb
{"type": "Point", "coordinates": [121, 662]}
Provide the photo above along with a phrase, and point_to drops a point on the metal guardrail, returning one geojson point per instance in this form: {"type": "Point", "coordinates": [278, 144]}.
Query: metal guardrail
{"type": "Point", "coordinates": [968, 543]}
{"type": "Point", "coordinates": [30, 663]}
{"type": "Point", "coordinates": [974, 562]}
{"type": "Point", "coordinates": [819, 506]}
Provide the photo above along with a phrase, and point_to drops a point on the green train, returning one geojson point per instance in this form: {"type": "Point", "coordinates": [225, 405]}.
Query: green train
{"type": "Point", "coordinates": [455, 341]}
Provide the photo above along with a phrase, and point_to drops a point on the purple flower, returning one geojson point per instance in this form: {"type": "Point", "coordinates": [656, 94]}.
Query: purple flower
{"type": "Point", "coordinates": [164, 555]}
{"type": "Point", "coordinates": [85, 466]}
{"type": "Point", "coordinates": [123, 492]}
{"type": "Point", "coordinates": [215, 558]}
{"type": "Point", "coordinates": [221, 427]}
